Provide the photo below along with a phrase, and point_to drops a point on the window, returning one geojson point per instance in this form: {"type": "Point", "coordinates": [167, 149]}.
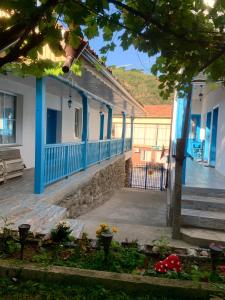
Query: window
{"type": "Point", "coordinates": [145, 155]}
{"type": "Point", "coordinates": [136, 150]}
{"type": "Point", "coordinates": [77, 122]}
{"type": "Point", "coordinates": [7, 118]}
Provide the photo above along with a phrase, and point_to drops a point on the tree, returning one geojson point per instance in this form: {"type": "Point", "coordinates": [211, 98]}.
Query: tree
{"type": "Point", "coordinates": [187, 35]}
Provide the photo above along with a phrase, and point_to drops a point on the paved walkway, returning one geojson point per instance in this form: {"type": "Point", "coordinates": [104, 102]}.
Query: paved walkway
{"type": "Point", "coordinates": [138, 214]}
{"type": "Point", "coordinates": [198, 175]}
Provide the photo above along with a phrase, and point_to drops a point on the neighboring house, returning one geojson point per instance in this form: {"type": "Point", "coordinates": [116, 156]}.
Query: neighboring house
{"type": "Point", "coordinates": [63, 124]}
{"type": "Point", "coordinates": [151, 137]}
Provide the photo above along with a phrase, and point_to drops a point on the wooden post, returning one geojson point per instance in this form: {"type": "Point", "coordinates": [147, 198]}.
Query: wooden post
{"type": "Point", "coordinates": [85, 128]}
{"type": "Point", "coordinates": [180, 156]}
{"type": "Point", "coordinates": [177, 192]}
{"type": "Point", "coordinates": [40, 123]}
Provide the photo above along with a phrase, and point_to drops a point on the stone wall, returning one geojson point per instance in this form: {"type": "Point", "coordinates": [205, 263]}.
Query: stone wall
{"type": "Point", "coordinates": [96, 190]}
{"type": "Point", "coordinates": [128, 171]}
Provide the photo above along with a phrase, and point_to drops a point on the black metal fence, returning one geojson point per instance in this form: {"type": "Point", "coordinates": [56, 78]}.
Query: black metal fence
{"type": "Point", "coordinates": [149, 176]}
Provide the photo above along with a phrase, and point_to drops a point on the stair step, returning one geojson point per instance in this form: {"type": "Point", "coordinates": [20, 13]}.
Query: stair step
{"type": "Point", "coordinates": [41, 218]}
{"type": "Point", "coordinates": [202, 237]}
{"type": "Point", "coordinates": [205, 192]}
{"type": "Point", "coordinates": [203, 203]}
{"type": "Point", "coordinates": [76, 226]}
{"type": "Point", "coordinates": [203, 219]}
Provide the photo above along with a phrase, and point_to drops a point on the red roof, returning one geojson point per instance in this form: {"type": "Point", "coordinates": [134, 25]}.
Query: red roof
{"type": "Point", "coordinates": [159, 111]}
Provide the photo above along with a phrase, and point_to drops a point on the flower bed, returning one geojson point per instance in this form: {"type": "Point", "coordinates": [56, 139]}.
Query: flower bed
{"type": "Point", "coordinates": [157, 260]}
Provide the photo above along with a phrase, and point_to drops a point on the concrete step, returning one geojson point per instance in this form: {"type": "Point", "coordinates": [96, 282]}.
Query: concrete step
{"type": "Point", "coordinates": [76, 226]}
{"type": "Point", "coordinates": [203, 219]}
{"type": "Point", "coordinates": [205, 192]}
{"type": "Point", "coordinates": [203, 203]}
{"type": "Point", "coordinates": [41, 218]}
{"type": "Point", "coordinates": [202, 237]}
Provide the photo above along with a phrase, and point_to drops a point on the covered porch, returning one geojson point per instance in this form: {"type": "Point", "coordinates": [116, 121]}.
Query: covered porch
{"type": "Point", "coordinates": [56, 161]}
{"type": "Point", "coordinates": [200, 175]}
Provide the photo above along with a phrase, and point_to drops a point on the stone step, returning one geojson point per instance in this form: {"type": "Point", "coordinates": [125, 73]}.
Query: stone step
{"type": "Point", "coordinates": [202, 237]}
{"type": "Point", "coordinates": [41, 218]}
{"type": "Point", "coordinates": [205, 192]}
{"type": "Point", "coordinates": [76, 226]}
{"type": "Point", "coordinates": [203, 203]}
{"type": "Point", "coordinates": [203, 219]}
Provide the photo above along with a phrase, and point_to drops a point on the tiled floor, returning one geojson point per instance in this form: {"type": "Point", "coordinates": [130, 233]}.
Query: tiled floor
{"type": "Point", "coordinates": [198, 175]}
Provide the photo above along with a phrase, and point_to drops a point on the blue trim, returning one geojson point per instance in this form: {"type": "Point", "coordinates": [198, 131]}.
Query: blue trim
{"type": "Point", "coordinates": [181, 108]}
{"type": "Point", "coordinates": [85, 127]}
{"type": "Point", "coordinates": [109, 127]}
{"type": "Point", "coordinates": [102, 121]}
{"type": "Point", "coordinates": [207, 135]}
{"type": "Point", "coordinates": [40, 124]}
{"type": "Point", "coordinates": [123, 130]}
{"type": "Point", "coordinates": [212, 157]}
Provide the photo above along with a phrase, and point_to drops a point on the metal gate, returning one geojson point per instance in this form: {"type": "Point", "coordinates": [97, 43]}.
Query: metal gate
{"type": "Point", "coordinates": [149, 176]}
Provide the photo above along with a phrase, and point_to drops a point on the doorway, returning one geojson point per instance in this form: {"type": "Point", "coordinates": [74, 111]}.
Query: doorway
{"type": "Point", "coordinates": [53, 126]}
{"type": "Point", "coordinates": [212, 156]}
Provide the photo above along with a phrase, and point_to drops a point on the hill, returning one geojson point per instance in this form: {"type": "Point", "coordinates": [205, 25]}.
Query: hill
{"type": "Point", "coordinates": [143, 87]}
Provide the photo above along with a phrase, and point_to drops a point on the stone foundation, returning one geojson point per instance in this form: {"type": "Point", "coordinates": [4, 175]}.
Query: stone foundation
{"type": "Point", "coordinates": [128, 171]}
{"type": "Point", "coordinates": [96, 190]}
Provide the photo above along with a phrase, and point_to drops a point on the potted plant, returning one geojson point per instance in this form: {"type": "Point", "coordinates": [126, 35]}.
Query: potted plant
{"type": "Point", "coordinates": [105, 235]}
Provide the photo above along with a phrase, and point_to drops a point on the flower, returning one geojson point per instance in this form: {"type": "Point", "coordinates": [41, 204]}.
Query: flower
{"type": "Point", "coordinates": [160, 267]}
{"type": "Point", "coordinates": [114, 229]}
{"type": "Point", "coordinates": [222, 269]}
{"type": "Point", "coordinates": [104, 228]}
{"type": "Point", "coordinates": [172, 263]}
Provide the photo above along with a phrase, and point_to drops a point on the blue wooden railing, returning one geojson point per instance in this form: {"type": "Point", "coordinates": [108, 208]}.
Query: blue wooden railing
{"type": "Point", "coordinates": [62, 160]}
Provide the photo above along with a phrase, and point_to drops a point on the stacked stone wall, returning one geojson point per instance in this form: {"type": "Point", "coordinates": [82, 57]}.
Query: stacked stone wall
{"type": "Point", "coordinates": [96, 190]}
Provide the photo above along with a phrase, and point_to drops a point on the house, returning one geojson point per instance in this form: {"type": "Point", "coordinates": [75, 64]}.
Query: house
{"type": "Point", "coordinates": [62, 125]}
{"type": "Point", "coordinates": [202, 201]}
{"type": "Point", "coordinates": [151, 133]}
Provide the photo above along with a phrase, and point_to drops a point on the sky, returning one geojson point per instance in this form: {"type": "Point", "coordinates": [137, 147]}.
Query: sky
{"type": "Point", "coordinates": [130, 59]}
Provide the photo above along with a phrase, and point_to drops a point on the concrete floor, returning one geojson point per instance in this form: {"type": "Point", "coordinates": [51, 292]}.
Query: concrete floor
{"type": "Point", "coordinates": [138, 214]}
{"type": "Point", "coordinates": [198, 175]}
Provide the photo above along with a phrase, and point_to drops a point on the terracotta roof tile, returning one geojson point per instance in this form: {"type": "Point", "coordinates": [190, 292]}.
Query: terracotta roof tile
{"type": "Point", "coordinates": [159, 111]}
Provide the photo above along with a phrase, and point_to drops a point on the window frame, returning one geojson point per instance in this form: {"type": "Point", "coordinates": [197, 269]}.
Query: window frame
{"type": "Point", "coordinates": [78, 123]}
{"type": "Point", "coordinates": [15, 119]}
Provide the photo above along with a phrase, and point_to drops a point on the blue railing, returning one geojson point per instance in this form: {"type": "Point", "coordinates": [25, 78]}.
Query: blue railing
{"type": "Point", "coordinates": [62, 160]}
{"type": "Point", "coordinates": [195, 149]}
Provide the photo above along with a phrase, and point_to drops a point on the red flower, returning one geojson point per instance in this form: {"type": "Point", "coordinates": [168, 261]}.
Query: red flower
{"type": "Point", "coordinates": [160, 268]}
{"type": "Point", "coordinates": [222, 268]}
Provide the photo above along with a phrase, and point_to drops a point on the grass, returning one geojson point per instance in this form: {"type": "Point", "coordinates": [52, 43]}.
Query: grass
{"type": "Point", "coordinates": [143, 87]}
{"type": "Point", "coordinates": [28, 290]}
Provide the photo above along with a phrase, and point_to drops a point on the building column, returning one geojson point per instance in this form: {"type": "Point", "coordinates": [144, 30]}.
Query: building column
{"type": "Point", "coordinates": [109, 127]}
{"type": "Point", "coordinates": [40, 132]}
{"type": "Point", "coordinates": [85, 128]}
{"type": "Point", "coordinates": [132, 130]}
{"type": "Point", "coordinates": [102, 119]}
{"type": "Point", "coordinates": [123, 131]}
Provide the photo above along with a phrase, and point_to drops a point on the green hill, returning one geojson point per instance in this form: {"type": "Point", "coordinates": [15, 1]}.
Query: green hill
{"type": "Point", "coordinates": [143, 87]}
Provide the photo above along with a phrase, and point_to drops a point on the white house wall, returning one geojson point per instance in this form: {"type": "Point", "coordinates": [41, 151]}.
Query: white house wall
{"type": "Point", "coordinates": [211, 100]}
{"type": "Point", "coordinates": [26, 125]}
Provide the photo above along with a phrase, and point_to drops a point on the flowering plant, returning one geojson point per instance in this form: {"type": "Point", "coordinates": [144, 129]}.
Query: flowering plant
{"type": "Point", "coordinates": [105, 228]}
{"type": "Point", "coordinates": [171, 263]}
{"type": "Point", "coordinates": [61, 232]}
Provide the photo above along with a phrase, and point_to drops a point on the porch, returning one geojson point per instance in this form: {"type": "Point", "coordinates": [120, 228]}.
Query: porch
{"type": "Point", "coordinates": [19, 204]}
{"type": "Point", "coordinates": [199, 175]}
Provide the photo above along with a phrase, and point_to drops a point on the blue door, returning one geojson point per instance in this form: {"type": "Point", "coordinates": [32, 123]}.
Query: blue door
{"type": "Point", "coordinates": [207, 135]}
{"type": "Point", "coordinates": [212, 157]}
{"type": "Point", "coordinates": [51, 130]}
